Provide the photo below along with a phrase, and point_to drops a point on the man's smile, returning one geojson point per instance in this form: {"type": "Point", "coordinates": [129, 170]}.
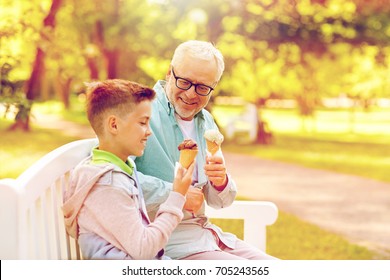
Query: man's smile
{"type": "Point", "coordinates": [187, 102]}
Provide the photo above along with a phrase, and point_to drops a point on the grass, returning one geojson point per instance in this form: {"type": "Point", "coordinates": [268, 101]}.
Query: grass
{"type": "Point", "coordinates": [290, 235]}
{"type": "Point", "coordinates": [75, 114]}
{"type": "Point", "coordinates": [358, 124]}
{"type": "Point", "coordinates": [21, 149]}
{"type": "Point", "coordinates": [332, 142]}
{"type": "Point", "coordinates": [370, 160]}
{"type": "Point", "coordinates": [364, 154]}
{"type": "Point", "coordinates": [290, 238]}
{"type": "Point", "coordinates": [331, 146]}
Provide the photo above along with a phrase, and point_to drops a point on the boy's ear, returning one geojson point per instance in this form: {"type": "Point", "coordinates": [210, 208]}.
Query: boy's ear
{"type": "Point", "coordinates": [112, 122]}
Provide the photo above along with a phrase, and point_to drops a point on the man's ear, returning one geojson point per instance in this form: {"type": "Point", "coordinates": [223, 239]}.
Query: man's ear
{"type": "Point", "coordinates": [169, 73]}
{"type": "Point", "coordinates": [112, 123]}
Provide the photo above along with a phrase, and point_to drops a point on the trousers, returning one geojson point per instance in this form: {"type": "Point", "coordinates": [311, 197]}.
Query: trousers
{"type": "Point", "coordinates": [242, 251]}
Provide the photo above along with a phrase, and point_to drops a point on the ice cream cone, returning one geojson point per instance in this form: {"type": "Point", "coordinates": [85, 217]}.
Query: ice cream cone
{"type": "Point", "coordinates": [187, 156]}
{"type": "Point", "coordinates": [214, 140]}
{"type": "Point", "coordinates": [212, 147]}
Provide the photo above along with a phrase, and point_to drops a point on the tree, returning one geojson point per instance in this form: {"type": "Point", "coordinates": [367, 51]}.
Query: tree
{"type": "Point", "coordinates": [37, 73]}
{"type": "Point", "coordinates": [286, 48]}
{"type": "Point", "coordinates": [34, 84]}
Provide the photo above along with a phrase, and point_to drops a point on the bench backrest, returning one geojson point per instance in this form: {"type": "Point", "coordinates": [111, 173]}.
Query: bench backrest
{"type": "Point", "coordinates": [32, 220]}
{"type": "Point", "coordinates": [30, 208]}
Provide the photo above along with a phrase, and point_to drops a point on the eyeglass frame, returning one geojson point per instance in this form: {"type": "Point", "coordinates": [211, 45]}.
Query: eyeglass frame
{"type": "Point", "coordinates": [191, 84]}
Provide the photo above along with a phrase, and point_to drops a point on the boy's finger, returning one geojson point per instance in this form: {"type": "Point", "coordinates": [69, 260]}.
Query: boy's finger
{"type": "Point", "coordinates": [191, 167]}
{"type": "Point", "coordinates": [180, 171]}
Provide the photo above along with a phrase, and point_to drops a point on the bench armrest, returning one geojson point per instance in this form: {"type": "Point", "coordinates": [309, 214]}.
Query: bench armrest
{"type": "Point", "coordinates": [256, 215]}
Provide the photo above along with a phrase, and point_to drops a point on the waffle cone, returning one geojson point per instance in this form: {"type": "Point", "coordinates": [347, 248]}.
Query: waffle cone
{"type": "Point", "coordinates": [212, 147]}
{"type": "Point", "coordinates": [187, 156]}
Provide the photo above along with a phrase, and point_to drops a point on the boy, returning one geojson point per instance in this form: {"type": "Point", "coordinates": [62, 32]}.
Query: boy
{"type": "Point", "coordinates": [104, 198]}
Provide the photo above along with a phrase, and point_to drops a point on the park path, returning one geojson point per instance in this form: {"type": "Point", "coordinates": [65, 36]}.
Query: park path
{"type": "Point", "coordinates": [353, 207]}
{"type": "Point", "coordinates": [66, 127]}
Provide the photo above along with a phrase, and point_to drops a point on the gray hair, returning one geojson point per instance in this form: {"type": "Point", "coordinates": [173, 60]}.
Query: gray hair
{"type": "Point", "coordinates": [202, 50]}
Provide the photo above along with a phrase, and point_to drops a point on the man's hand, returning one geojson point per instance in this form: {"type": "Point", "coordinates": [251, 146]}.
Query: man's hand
{"type": "Point", "coordinates": [194, 200]}
{"type": "Point", "coordinates": [215, 170]}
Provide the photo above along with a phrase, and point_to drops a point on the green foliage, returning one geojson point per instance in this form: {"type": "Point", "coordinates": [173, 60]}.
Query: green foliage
{"type": "Point", "coordinates": [19, 34]}
{"type": "Point", "coordinates": [306, 50]}
{"type": "Point", "coordinates": [11, 96]}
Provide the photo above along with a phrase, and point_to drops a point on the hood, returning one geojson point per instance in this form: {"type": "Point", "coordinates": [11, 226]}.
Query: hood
{"type": "Point", "coordinates": [83, 179]}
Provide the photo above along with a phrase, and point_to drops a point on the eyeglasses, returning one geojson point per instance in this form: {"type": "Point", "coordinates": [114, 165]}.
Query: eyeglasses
{"type": "Point", "coordinates": [185, 84]}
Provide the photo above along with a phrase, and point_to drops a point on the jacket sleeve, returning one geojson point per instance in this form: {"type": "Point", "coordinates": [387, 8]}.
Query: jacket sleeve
{"type": "Point", "coordinates": [220, 199]}
{"type": "Point", "coordinates": [94, 247]}
{"type": "Point", "coordinates": [155, 191]}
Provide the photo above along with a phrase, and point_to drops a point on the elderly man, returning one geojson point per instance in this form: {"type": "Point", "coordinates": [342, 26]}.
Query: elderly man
{"type": "Point", "coordinates": [178, 113]}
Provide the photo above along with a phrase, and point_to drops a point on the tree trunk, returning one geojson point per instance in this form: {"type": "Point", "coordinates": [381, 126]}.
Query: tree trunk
{"type": "Point", "coordinates": [65, 92]}
{"type": "Point", "coordinates": [93, 68]}
{"type": "Point", "coordinates": [112, 61]}
{"type": "Point", "coordinates": [110, 55]}
{"type": "Point", "coordinates": [34, 84]}
{"type": "Point", "coordinates": [20, 124]}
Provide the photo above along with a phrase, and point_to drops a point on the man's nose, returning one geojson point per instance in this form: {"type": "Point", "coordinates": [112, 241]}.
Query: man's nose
{"type": "Point", "coordinates": [191, 93]}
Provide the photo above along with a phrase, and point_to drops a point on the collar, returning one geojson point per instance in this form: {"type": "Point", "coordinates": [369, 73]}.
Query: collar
{"type": "Point", "coordinates": [101, 157]}
{"type": "Point", "coordinates": [162, 97]}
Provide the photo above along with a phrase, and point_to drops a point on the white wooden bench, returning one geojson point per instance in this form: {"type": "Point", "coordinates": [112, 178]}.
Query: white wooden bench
{"type": "Point", "coordinates": [31, 219]}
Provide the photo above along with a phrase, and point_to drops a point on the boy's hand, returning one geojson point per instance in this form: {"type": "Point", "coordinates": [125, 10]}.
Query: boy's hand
{"type": "Point", "coordinates": [215, 170]}
{"type": "Point", "coordinates": [183, 179]}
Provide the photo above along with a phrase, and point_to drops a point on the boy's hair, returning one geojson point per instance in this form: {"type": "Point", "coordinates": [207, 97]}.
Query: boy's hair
{"type": "Point", "coordinates": [201, 50]}
{"type": "Point", "coordinates": [114, 96]}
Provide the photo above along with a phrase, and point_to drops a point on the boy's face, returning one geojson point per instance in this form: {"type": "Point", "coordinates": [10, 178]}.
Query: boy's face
{"type": "Point", "coordinates": [134, 129]}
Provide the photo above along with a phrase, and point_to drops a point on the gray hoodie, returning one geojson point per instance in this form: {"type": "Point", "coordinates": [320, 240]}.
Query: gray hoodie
{"type": "Point", "coordinates": [106, 201]}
